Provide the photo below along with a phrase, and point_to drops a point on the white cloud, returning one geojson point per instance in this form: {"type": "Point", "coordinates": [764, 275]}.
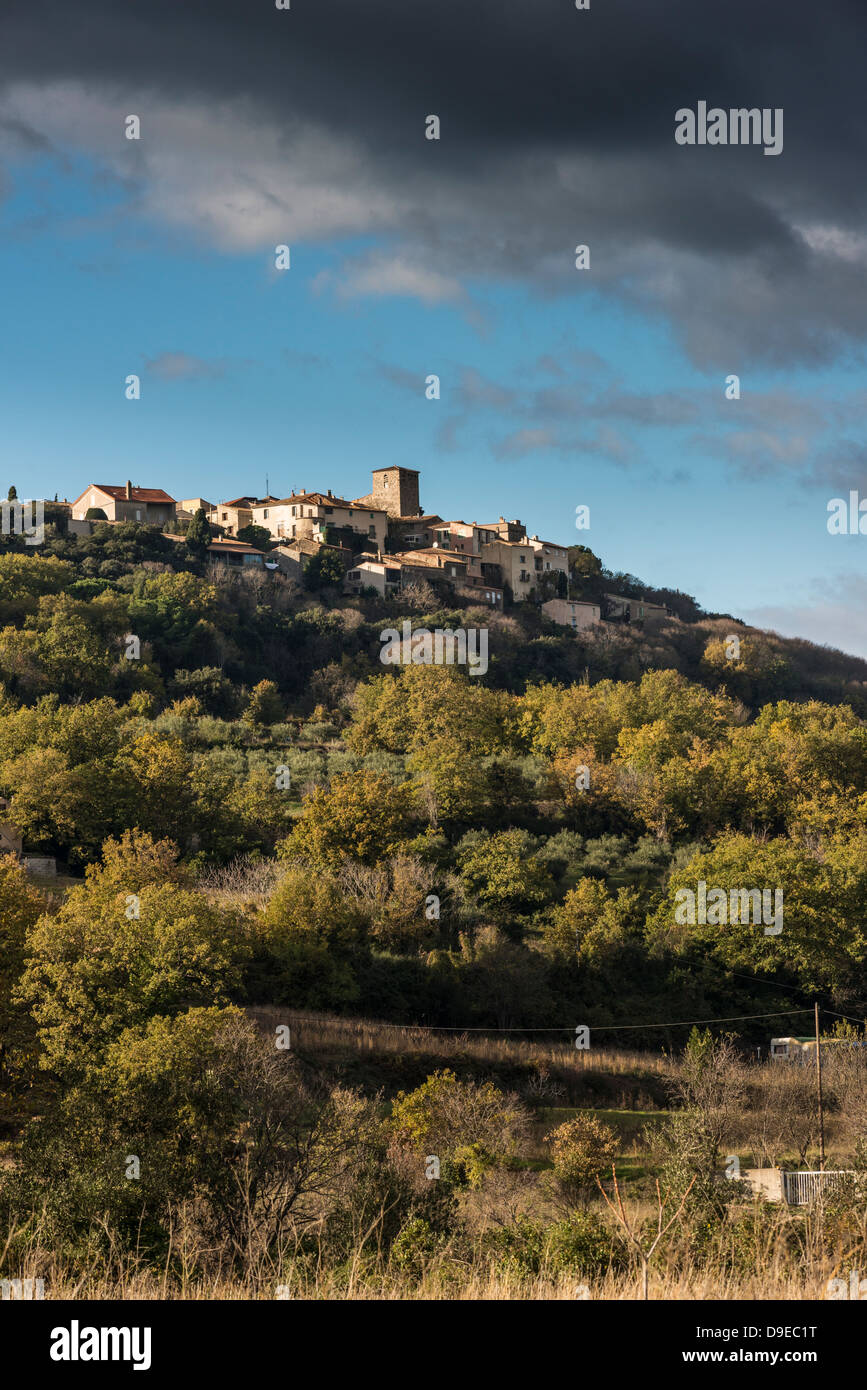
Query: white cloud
{"type": "Point", "coordinates": [216, 171]}
{"type": "Point", "coordinates": [382, 274]}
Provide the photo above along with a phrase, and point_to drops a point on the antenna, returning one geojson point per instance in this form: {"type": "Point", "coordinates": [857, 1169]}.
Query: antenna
{"type": "Point", "coordinates": [267, 493]}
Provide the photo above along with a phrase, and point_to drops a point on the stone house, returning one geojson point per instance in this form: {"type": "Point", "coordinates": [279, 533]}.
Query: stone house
{"type": "Point", "coordinates": [317, 515]}
{"type": "Point", "coordinates": [574, 613]}
{"type": "Point", "coordinates": [149, 505]}
{"type": "Point", "coordinates": [635, 610]}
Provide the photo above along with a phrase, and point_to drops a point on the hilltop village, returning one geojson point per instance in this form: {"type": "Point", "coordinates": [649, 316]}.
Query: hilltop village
{"type": "Point", "coordinates": [380, 543]}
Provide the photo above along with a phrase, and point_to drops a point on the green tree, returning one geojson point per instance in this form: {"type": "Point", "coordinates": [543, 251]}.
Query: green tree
{"type": "Point", "coordinates": [582, 1149]}
{"type": "Point", "coordinates": [258, 536]}
{"type": "Point", "coordinates": [505, 871]}
{"type": "Point", "coordinates": [20, 907]}
{"type": "Point", "coordinates": [362, 816]}
{"type": "Point", "coordinates": [264, 706]}
{"type": "Point", "coordinates": [469, 1125]}
{"type": "Point", "coordinates": [131, 942]}
{"type": "Point", "coordinates": [323, 569]}
{"type": "Point", "coordinates": [198, 533]}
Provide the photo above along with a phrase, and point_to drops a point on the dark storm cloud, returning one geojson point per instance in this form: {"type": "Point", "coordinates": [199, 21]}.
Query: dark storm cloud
{"type": "Point", "coordinates": [557, 129]}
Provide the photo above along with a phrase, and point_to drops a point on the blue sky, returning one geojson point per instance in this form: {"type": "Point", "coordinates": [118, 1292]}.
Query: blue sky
{"type": "Point", "coordinates": [558, 387]}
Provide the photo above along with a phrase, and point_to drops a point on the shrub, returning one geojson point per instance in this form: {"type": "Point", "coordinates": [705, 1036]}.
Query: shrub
{"type": "Point", "coordinates": [581, 1149]}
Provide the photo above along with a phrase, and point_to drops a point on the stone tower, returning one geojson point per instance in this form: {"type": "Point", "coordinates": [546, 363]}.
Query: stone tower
{"type": "Point", "coordinates": [395, 490]}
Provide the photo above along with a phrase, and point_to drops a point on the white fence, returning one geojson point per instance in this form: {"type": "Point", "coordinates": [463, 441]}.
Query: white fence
{"type": "Point", "coordinates": [801, 1188]}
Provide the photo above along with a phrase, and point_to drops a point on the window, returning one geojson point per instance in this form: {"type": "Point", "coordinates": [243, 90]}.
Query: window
{"type": "Point", "coordinates": [353, 574]}
{"type": "Point", "coordinates": [371, 531]}
{"type": "Point", "coordinates": [329, 511]}
{"type": "Point", "coordinates": [265, 514]}
{"type": "Point", "coordinates": [294, 511]}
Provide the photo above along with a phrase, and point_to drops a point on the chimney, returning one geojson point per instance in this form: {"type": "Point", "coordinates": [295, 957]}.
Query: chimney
{"type": "Point", "coordinates": [128, 490]}
{"type": "Point", "coordinates": [329, 492]}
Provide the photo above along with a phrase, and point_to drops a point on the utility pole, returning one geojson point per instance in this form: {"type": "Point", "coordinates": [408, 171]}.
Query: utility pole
{"type": "Point", "coordinates": [819, 1086]}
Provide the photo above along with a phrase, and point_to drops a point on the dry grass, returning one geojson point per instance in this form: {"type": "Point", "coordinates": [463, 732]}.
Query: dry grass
{"type": "Point", "coordinates": [328, 1035]}
{"type": "Point", "coordinates": [442, 1280]}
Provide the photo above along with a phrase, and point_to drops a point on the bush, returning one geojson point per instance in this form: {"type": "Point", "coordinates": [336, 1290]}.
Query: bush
{"type": "Point", "coordinates": [316, 732]}
{"type": "Point", "coordinates": [582, 1149]}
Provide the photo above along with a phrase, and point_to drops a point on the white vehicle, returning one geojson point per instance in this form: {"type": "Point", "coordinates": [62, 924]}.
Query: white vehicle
{"type": "Point", "coordinates": [800, 1049]}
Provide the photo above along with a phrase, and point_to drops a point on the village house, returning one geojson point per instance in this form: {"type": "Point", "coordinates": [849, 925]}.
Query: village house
{"type": "Point", "coordinates": [573, 613]}
{"type": "Point", "coordinates": [549, 558]}
{"type": "Point", "coordinates": [413, 532]}
{"type": "Point", "coordinates": [149, 505]}
{"type": "Point", "coordinates": [441, 566]}
{"type": "Point", "coordinates": [187, 508]}
{"type": "Point", "coordinates": [233, 516]}
{"type": "Point", "coordinates": [224, 551]}
{"type": "Point", "coordinates": [506, 554]}
{"type": "Point", "coordinates": [517, 563]}
{"type": "Point", "coordinates": [380, 573]}
{"type": "Point", "coordinates": [320, 516]}
{"type": "Point", "coordinates": [434, 566]}
{"type": "Point", "coordinates": [293, 557]}
{"type": "Point", "coordinates": [635, 610]}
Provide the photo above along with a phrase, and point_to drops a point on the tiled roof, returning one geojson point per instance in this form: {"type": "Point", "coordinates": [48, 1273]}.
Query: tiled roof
{"type": "Point", "coordinates": [240, 546]}
{"type": "Point", "coordinates": [321, 499]}
{"type": "Point", "coordinates": [139, 494]}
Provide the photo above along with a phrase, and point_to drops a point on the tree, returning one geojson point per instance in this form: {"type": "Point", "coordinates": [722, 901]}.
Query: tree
{"type": "Point", "coordinates": [218, 1117]}
{"type": "Point", "coordinates": [95, 514]}
{"type": "Point", "coordinates": [258, 536]}
{"type": "Point", "coordinates": [323, 569]}
{"type": "Point", "coordinates": [505, 871]}
{"type": "Point", "coordinates": [198, 534]}
{"type": "Point", "coordinates": [581, 1149]}
{"type": "Point", "coordinates": [131, 942]}
{"type": "Point", "coordinates": [12, 494]}
{"type": "Point", "coordinates": [469, 1125]}
{"type": "Point", "coordinates": [264, 706]}
{"type": "Point", "coordinates": [20, 907]}
{"type": "Point", "coordinates": [640, 1243]}
{"type": "Point", "coordinates": [361, 816]}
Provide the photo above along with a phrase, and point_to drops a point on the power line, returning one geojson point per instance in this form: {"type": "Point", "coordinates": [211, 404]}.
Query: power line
{"type": "Point", "coordinates": [600, 1028]}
